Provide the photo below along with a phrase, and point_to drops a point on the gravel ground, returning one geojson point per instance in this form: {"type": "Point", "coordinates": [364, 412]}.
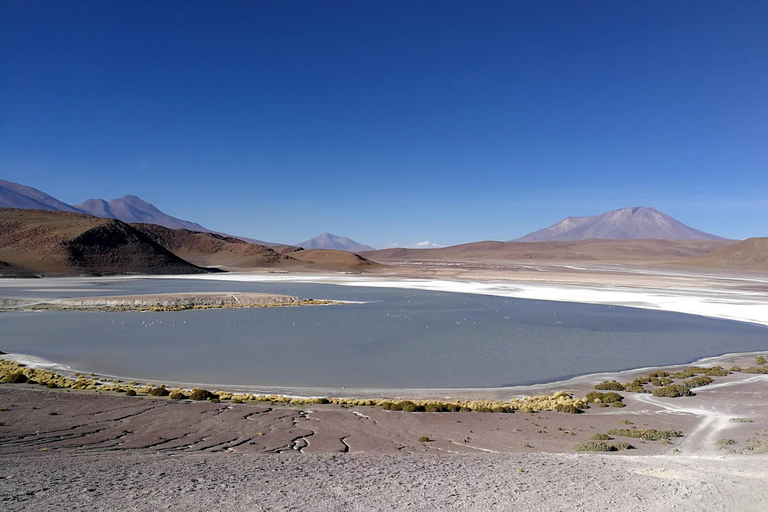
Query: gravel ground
{"type": "Point", "coordinates": [540, 481]}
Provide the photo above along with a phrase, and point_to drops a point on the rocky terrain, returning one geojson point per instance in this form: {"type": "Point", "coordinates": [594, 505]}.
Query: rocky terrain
{"type": "Point", "coordinates": [53, 242]}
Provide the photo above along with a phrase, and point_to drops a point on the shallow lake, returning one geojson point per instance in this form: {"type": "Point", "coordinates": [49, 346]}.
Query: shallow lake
{"type": "Point", "coordinates": [394, 339]}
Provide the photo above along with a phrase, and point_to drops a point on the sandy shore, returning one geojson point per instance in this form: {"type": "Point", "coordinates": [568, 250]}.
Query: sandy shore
{"type": "Point", "coordinates": [103, 451]}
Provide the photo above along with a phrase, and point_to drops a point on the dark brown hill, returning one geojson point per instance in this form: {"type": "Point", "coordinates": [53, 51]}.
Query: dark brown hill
{"type": "Point", "coordinates": [55, 242]}
{"type": "Point", "coordinates": [333, 260]}
{"type": "Point", "coordinates": [596, 251]}
{"type": "Point", "coordinates": [210, 249]}
{"type": "Point", "coordinates": [750, 254]}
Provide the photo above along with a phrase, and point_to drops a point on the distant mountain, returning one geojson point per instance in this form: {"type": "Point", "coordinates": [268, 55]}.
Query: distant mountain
{"type": "Point", "coordinates": [13, 195]}
{"type": "Point", "coordinates": [133, 209]}
{"type": "Point", "coordinates": [624, 224]}
{"type": "Point", "coordinates": [337, 243]}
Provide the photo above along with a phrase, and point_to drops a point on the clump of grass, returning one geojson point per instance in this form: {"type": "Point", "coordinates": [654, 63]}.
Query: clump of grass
{"type": "Point", "coordinates": [623, 445]}
{"type": "Point", "coordinates": [159, 391]}
{"type": "Point", "coordinates": [647, 434]}
{"type": "Point", "coordinates": [177, 395]}
{"type": "Point", "coordinates": [15, 378]}
{"type": "Point", "coordinates": [760, 360]}
{"type": "Point", "coordinates": [757, 447]}
{"type": "Point", "coordinates": [626, 422]}
{"type": "Point", "coordinates": [568, 408]}
{"type": "Point", "coordinates": [201, 394]}
{"type": "Point", "coordinates": [726, 442]}
{"type": "Point", "coordinates": [610, 385]}
{"type": "Point", "coordinates": [600, 437]}
{"type": "Point", "coordinates": [740, 420]}
{"type": "Point", "coordinates": [594, 446]}
{"type": "Point", "coordinates": [697, 382]}
{"type": "Point", "coordinates": [237, 401]}
{"type": "Point", "coordinates": [130, 392]}
{"type": "Point", "coordinates": [604, 398]}
{"type": "Point", "coordinates": [754, 369]}
{"type": "Point", "coordinates": [673, 391]}
{"type": "Point", "coordinates": [424, 439]}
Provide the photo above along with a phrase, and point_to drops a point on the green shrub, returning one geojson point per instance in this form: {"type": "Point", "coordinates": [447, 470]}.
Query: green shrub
{"type": "Point", "coordinates": [236, 401]}
{"type": "Point", "coordinates": [15, 378]}
{"type": "Point", "coordinates": [432, 407]}
{"type": "Point", "coordinates": [623, 445]}
{"type": "Point", "coordinates": [568, 408]}
{"type": "Point", "coordinates": [215, 400]}
{"type": "Point", "coordinates": [594, 446]}
{"type": "Point", "coordinates": [754, 369]}
{"type": "Point", "coordinates": [201, 394]}
{"type": "Point", "coordinates": [697, 382]}
{"type": "Point", "coordinates": [618, 404]}
{"type": "Point", "coordinates": [601, 437]}
{"type": "Point", "coordinates": [760, 360]}
{"type": "Point", "coordinates": [611, 385]}
{"type": "Point", "coordinates": [648, 435]}
{"type": "Point", "coordinates": [673, 391]}
{"type": "Point", "coordinates": [424, 439]}
{"type": "Point", "coordinates": [177, 395]}
{"type": "Point", "coordinates": [130, 392]}
{"type": "Point", "coordinates": [161, 391]}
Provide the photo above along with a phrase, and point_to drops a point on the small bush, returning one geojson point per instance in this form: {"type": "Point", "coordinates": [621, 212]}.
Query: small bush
{"type": "Point", "coordinates": [568, 408]}
{"type": "Point", "coordinates": [697, 382]}
{"type": "Point", "coordinates": [215, 401]}
{"type": "Point", "coordinates": [201, 394]}
{"type": "Point", "coordinates": [594, 446]}
{"type": "Point", "coordinates": [754, 369]}
{"type": "Point", "coordinates": [673, 391]}
{"type": "Point", "coordinates": [618, 404]}
{"type": "Point", "coordinates": [424, 439]}
{"type": "Point", "coordinates": [601, 437]}
{"type": "Point", "coordinates": [161, 391]}
{"type": "Point", "coordinates": [236, 401]}
{"type": "Point", "coordinates": [648, 435]}
{"type": "Point", "coordinates": [760, 360]}
{"type": "Point", "coordinates": [726, 442]}
{"type": "Point", "coordinates": [623, 445]}
{"type": "Point", "coordinates": [611, 385]}
{"type": "Point", "coordinates": [15, 378]}
{"type": "Point", "coordinates": [130, 392]}
{"type": "Point", "coordinates": [177, 395]}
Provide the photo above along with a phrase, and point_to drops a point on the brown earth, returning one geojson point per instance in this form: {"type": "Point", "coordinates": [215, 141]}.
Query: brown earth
{"type": "Point", "coordinates": [47, 242]}
{"type": "Point", "coordinates": [210, 249]}
{"type": "Point", "coordinates": [334, 260]}
{"type": "Point", "coordinates": [595, 251]}
{"type": "Point", "coordinates": [750, 254]}
{"type": "Point", "coordinates": [34, 242]}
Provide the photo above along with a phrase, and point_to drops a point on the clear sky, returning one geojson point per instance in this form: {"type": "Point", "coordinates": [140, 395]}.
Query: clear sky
{"type": "Point", "coordinates": [392, 122]}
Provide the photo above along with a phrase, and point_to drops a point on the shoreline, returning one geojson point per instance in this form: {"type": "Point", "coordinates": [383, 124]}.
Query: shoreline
{"type": "Point", "coordinates": [579, 382]}
{"type": "Point", "coordinates": [746, 307]}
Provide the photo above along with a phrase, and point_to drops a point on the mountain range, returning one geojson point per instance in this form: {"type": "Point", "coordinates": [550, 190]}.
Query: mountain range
{"type": "Point", "coordinates": [634, 223]}
{"type": "Point", "coordinates": [334, 242]}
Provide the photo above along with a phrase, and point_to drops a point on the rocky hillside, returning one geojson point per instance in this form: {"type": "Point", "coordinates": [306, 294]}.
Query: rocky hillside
{"type": "Point", "coordinates": [52, 242]}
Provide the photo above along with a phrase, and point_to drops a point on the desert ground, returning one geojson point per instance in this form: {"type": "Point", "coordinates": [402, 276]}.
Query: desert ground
{"type": "Point", "coordinates": [72, 449]}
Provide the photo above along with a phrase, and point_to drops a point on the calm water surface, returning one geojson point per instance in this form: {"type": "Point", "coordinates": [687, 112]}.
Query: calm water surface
{"type": "Point", "coordinates": [396, 339]}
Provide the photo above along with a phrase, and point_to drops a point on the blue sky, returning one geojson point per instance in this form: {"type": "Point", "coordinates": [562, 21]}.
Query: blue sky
{"type": "Point", "coordinates": [392, 121]}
